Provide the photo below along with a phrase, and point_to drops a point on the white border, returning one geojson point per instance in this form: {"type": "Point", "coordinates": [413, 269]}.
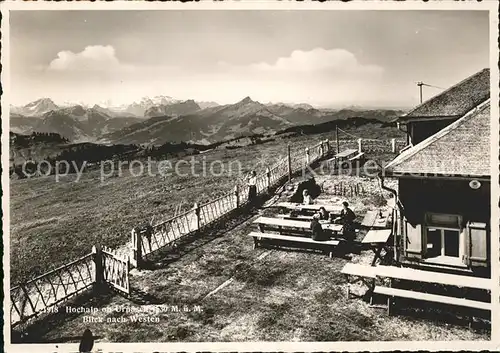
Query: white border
{"type": "Point", "coordinates": [491, 6]}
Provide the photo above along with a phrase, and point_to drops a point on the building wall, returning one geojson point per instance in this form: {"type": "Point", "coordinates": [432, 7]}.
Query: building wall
{"type": "Point", "coordinates": [444, 196]}
{"type": "Point", "coordinates": [454, 197]}
{"type": "Point", "coordinates": [421, 130]}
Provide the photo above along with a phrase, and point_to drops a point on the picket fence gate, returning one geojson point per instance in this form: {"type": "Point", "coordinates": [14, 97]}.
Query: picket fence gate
{"type": "Point", "coordinates": [43, 294]}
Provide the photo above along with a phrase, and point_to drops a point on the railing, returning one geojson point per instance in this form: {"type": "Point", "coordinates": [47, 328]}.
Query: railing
{"type": "Point", "coordinates": [44, 292]}
{"type": "Point", "coordinates": [115, 269]}
{"type": "Point", "coordinates": [279, 171]}
{"type": "Point", "coordinates": [164, 233]}
{"type": "Point", "coordinates": [216, 209]}
{"type": "Point", "coordinates": [149, 239]}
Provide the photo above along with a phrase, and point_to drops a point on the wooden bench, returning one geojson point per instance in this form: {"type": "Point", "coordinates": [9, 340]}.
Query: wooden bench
{"type": "Point", "coordinates": [362, 273]}
{"type": "Point", "coordinates": [359, 156]}
{"type": "Point", "coordinates": [402, 293]}
{"type": "Point", "coordinates": [345, 154]}
{"type": "Point", "coordinates": [259, 236]}
{"type": "Point", "coordinates": [411, 274]}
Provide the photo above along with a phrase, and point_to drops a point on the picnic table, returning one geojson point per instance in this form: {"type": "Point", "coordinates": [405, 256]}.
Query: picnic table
{"type": "Point", "coordinates": [377, 238]}
{"type": "Point", "coordinates": [335, 209]}
{"type": "Point", "coordinates": [346, 153]}
{"type": "Point", "coordinates": [297, 217]}
{"type": "Point", "coordinates": [372, 219]}
{"type": "Point", "coordinates": [281, 223]}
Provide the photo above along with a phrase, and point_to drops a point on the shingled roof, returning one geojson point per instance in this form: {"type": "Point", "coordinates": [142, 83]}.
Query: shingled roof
{"type": "Point", "coordinates": [455, 101]}
{"type": "Point", "coordinates": [460, 149]}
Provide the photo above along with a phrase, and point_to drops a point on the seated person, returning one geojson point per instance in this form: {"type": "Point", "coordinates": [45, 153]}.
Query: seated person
{"type": "Point", "coordinates": [306, 198]}
{"type": "Point", "coordinates": [323, 215]}
{"type": "Point", "coordinates": [317, 231]}
{"type": "Point", "coordinates": [346, 218]}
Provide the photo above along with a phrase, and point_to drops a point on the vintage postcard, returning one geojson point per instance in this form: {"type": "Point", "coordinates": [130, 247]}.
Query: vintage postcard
{"type": "Point", "coordinates": [270, 176]}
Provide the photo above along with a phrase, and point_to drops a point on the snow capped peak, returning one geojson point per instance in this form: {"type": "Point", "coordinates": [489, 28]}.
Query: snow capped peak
{"type": "Point", "coordinates": [38, 107]}
{"type": "Point", "coordinates": [67, 104]}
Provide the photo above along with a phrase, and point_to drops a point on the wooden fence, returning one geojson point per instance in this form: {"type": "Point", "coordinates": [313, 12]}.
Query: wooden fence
{"type": "Point", "coordinates": [45, 293]}
{"type": "Point", "coordinates": [344, 188]}
{"type": "Point", "coordinates": [149, 239]}
{"type": "Point", "coordinates": [392, 145]}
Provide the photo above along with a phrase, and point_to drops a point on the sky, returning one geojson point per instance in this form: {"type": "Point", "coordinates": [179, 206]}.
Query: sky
{"type": "Point", "coordinates": [325, 58]}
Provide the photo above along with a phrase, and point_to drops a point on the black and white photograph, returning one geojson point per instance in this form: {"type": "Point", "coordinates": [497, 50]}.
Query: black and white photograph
{"type": "Point", "coordinates": [180, 175]}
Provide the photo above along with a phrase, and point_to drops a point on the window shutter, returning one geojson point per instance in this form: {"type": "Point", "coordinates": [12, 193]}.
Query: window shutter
{"type": "Point", "coordinates": [467, 247]}
{"type": "Point", "coordinates": [413, 240]}
{"type": "Point", "coordinates": [478, 247]}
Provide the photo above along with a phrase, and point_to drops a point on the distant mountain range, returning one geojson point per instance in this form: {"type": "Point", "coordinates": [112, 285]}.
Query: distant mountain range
{"type": "Point", "coordinates": [164, 119]}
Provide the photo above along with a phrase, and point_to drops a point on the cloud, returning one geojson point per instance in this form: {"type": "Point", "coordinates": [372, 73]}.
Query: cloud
{"type": "Point", "coordinates": [319, 59]}
{"type": "Point", "coordinates": [92, 58]}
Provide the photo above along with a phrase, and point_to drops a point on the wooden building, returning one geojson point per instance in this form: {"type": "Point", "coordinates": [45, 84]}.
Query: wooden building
{"type": "Point", "coordinates": [442, 221]}
{"type": "Point", "coordinates": [445, 108]}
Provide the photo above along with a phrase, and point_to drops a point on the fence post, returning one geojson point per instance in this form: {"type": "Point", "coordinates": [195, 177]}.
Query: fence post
{"type": "Point", "coordinates": [359, 146]}
{"type": "Point", "coordinates": [136, 248]}
{"type": "Point", "coordinates": [393, 145]}
{"type": "Point", "coordinates": [289, 164]}
{"type": "Point", "coordinates": [237, 196]}
{"type": "Point", "coordinates": [99, 269]}
{"type": "Point", "coordinates": [196, 209]}
{"type": "Point", "coordinates": [268, 179]}
{"type": "Point", "coordinates": [307, 156]}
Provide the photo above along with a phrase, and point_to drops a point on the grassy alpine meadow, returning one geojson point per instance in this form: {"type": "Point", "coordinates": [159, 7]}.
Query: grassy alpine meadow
{"type": "Point", "coordinates": [55, 222]}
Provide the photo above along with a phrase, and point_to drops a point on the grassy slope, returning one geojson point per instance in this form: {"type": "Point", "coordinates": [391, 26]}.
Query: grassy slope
{"type": "Point", "coordinates": [54, 223]}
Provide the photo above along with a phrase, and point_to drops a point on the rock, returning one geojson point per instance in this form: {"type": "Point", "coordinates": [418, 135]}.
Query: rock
{"type": "Point", "coordinates": [311, 186]}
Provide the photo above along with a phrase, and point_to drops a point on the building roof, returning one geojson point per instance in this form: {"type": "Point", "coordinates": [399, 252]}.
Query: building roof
{"type": "Point", "coordinates": [456, 101]}
{"type": "Point", "coordinates": [460, 149]}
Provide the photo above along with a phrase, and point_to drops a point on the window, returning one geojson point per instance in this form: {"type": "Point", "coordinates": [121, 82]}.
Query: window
{"type": "Point", "coordinates": [444, 237]}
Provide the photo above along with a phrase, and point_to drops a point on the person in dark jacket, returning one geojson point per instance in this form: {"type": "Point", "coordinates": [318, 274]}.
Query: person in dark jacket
{"type": "Point", "coordinates": [346, 218]}
{"type": "Point", "coordinates": [323, 215]}
{"type": "Point", "coordinates": [317, 231]}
